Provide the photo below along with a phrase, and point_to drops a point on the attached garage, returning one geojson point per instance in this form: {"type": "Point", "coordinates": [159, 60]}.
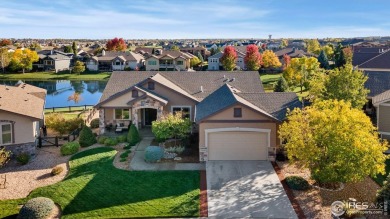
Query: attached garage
{"type": "Point", "coordinates": [237, 143]}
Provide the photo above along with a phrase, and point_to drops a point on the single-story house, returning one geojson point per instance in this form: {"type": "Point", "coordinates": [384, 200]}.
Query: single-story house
{"type": "Point", "coordinates": [53, 60]}
{"type": "Point", "coordinates": [235, 118]}
{"type": "Point", "coordinates": [21, 115]}
{"type": "Point", "coordinates": [214, 61]}
{"type": "Point", "coordinates": [115, 61]}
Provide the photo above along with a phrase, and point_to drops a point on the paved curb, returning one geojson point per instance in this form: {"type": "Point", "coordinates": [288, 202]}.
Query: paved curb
{"type": "Point", "coordinates": [298, 210]}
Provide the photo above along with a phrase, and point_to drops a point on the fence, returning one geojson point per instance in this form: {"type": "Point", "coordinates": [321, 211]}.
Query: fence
{"type": "Point", "coordinates": [58, 140]}
{"type": "Point", "coordinates": [68, 108]}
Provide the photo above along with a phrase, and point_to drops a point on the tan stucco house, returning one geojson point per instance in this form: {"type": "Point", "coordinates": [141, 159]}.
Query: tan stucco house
{"type": "Point", "coordinates": [235, 118]}
{"type": "Point", "coordinates": [21, 114]}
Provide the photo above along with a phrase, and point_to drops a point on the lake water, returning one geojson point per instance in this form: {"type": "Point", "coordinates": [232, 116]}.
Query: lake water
{"type": "Point", "coordinates": [58, 92]}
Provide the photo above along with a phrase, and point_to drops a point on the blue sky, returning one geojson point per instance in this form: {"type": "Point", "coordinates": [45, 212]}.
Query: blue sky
{"type": "Point", "coordinates": [173, 19]}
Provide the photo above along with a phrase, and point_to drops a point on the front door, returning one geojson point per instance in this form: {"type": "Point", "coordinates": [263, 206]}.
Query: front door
{"type": "Point", "coordinates": [150, 115]}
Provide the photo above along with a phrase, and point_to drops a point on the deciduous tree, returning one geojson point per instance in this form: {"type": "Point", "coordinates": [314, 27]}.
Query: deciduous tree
{"type": "Point", "coordinates": [175, 48]}
{"type": "Point", "coordinates": [335, 141]}
{"type": "Point", "coordinates": [79, 67]}
{"type": "Point", "coordinates": [194, 62]}
{"type": "Point", "coordinates": [284, 43]}
{"type": "Point", "coordinates": [300, 71]}
{"type": "Point", "coordinates": [23, 59]}
{"type": "Point", "coordinates": [286, 61]}
{"type": "Point", "coordinates": [328, 49]}
{"type": "Point", "coordinates": [313, 46]}
{"type": "Point", "coordinates": [323, 60]}
{"type": "Point", "coordinates": [342, 83]}
{"type": "Point", "coordinates": [270, 60]}
{"type": "Point", "coordinates": [35, 46]}
{"type": "Point", "coordinates": [74, 48]}
{"type": "Point", "coordinates": [116, 45]}
{"type": "Point", "coordinates": [252, 58]}
{"type": "Point", "coordinates": [229, 58]}
{"type": "Point", "coordinates": [68, 49]}
{"type": "Point", "coordinates": [348, 55]}
{"type": "Point", "coordinates": [5, 42]}
{"type": "Point", "coordinates": [5, 58]}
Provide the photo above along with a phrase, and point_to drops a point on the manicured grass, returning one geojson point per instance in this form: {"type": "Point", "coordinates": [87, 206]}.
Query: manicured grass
{"type": "Point", "coordinates": [57, 76]}
{"type": "Point", "coordinates": [94, 188]}
{"type": "Point", "coordinates": [381, 178]}
{"type": "Point", "coordinates": [66, 109]}
{"type": "Point", "coordinates": [269, 80]}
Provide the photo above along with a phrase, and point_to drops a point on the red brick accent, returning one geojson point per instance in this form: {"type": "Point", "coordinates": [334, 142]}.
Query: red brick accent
{"type": "Point", "coordinates": [298, 210]}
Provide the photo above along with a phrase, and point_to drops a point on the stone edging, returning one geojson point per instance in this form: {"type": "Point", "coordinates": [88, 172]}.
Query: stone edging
{"type": "Point", "coordinates": [342, 186]}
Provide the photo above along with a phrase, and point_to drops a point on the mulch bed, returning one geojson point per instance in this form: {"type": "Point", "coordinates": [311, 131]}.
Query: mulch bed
{"type": "Point", "coordinates": [297, 208]}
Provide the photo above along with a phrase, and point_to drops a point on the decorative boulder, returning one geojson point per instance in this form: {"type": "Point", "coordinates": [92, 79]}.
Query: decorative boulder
{"type": "Point", "coordinates": [153, 154]}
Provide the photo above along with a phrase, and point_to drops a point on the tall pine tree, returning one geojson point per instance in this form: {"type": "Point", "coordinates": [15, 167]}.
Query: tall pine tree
{"type": "Point", "coordinates": [339, 56]}
{"type": "Point", "coordinates": [323, 60]}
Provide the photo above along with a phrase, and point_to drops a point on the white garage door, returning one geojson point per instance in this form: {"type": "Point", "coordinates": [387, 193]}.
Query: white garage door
{"type": "Point", "coordinates": [237, 145]}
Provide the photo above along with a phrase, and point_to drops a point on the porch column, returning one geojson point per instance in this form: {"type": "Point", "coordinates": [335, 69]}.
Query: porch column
{"type": "Point", "coordinates": [101, 121]}
{"type": "Point", "coordinates": [135, 117]}
{"type": "Point", "coordinates": [159, 112]}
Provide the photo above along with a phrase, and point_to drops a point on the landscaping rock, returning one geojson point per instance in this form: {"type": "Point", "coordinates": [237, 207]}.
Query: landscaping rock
{"type": "Point", "coordinates": [168, 155]}
{"type": "Point", "coordinates": [177, 158]}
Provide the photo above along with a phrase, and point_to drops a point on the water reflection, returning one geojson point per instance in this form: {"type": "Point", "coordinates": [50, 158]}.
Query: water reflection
{"type": "Point", "coordinates": [59, 91]}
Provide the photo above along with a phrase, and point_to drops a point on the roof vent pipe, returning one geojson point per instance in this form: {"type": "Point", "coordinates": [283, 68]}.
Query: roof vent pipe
{"type": "Point", "coordinates": [201, 89]}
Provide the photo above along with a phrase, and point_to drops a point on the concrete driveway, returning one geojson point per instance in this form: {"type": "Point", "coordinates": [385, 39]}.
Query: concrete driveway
{"type": "Point", "coordinates": [246, 189]}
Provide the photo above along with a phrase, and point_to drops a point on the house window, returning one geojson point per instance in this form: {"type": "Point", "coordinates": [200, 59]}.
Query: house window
{"type": "Point", "coordinates": [134, 93]}
{"type": "Point", "coordinates": [151, 85]}
{"type": "Point", "coordinates": [185, 110]}
{"type": "Point", "coordinates": [152, 62]}
{"type": "Point", "coordinates": [179, 62]}
{"type": "Point", "coordinates": [5, 133]}
{"type": "Point", "coordinates": [122, 114]}
{"type": "Point", "coordinates": [237, 113]}
{"type": "Point", "coordinates": [117, 63]}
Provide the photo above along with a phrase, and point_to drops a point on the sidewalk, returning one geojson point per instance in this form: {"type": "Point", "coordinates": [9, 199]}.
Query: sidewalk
{"type": "Point", "coordinates": [138, 163]}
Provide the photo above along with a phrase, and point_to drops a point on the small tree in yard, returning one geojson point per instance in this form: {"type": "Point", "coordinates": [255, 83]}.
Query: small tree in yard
{"type": "Point", "coordinates": [336, 142]}
{"type": "Point", "coordinates": [87, 138]}
{"type": "Point", "coordinates": [281, 85]}
{"type": "Point", "coordinates": [133, 136]}
{"type": "Point", "coordinates": [229, 58]}
{"type": "Point", "coordinates": [252, 58]}
{"type": "Point", "coordinates": [270, 60]}
{"type": "Point", "coordinates": [171, 126]}
{"type": "Point", "coordinates": [5, 156]}
{"type": "Point", "coordinates": [56, 122]}
{"type": "Point", "coordinates": [79, 67]}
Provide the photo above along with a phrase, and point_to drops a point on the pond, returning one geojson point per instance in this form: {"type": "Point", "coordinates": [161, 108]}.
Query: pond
{"type": "Point", "coordinates": [59, 91]}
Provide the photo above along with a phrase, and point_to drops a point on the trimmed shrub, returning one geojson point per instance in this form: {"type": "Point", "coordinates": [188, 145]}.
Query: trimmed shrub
{"type": "Point", "coordinates": [56, 170]}
{"type": "Point", "coordinates": [58, 123]}
{"type": "Point", "coordinates": [70, 148]}
{"type": "Point", "coordinates": [110, 142]}
{"type": "Point", "coordinates": [297, 183]}
{"type": "Point", "coordinates": [124, 154]}
{"type": "Point", "coordinates": [383, 193]}
{"type": "Point", "coordinates": [87, 138]}
{"type": "Point", "coordinates": [23, 158]}
{"type": "Point", "coordinates": [153, 154]}
{"type": "Point", "coordinates": [102, 139]}
{"type": "Point", "coordinates": [127, 147]}
{"type": "Point", "coordinates": [133, 136]}
{"type": "Point", "coordinates": [121, 138]}
{"type": "Point", "coordinates": [37, 208]}
{"type": "Point", "coordinates": [95, 123]}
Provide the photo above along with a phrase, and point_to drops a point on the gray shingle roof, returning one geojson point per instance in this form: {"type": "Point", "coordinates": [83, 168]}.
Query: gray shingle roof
{"type": "Point", "coordinates": [378, 62]}
{"type": "Point", "coordinates": [377, 82]}
{"type": "Point", "coordinates": [381, 97]}
{"type": "Point", "coordinates": [190, 82]}
{"type": "Point", "coordinates": [275, 103]}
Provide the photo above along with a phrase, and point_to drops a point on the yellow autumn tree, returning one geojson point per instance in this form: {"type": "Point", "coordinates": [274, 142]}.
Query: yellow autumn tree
{"type": "Point", "coordinates": [336, 142]}
{"type": "Point", "coordinates": [270, 60]}
{"type": "Point", "coordinates": [313, 46]}
{"type": "Point", "coordinates": [300, 70]}
{"type": "Point", "coordinates": [23, 59]}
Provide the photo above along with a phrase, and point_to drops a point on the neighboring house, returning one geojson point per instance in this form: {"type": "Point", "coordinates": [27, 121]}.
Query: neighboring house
{"type": "Point", "coordinates": [372, 59]}
{"type": "Point", "coordinates": [115, 61]}
{"type": "Point", "coordinates": [167, 60]}
{"type": "Point", "coordinates": [235, 118]}
{"type": "Point", "coordinates": [381, 102]}
{"type": "Point", "coordinates": [293, 53]}
{"type": "Point", "coordinates": [195, 50]}
{"type": "Point", "coordinates": [214, 61]}
{"type": "Point", "coordinates": [297, 44]}
{"type": "Point", "coordinates": [53, 60]}
{"type": "Point", "coordinates": [21, 115]}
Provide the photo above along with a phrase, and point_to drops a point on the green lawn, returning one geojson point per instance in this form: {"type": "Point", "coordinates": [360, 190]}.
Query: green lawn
{"type": "Point", "coordinates": [269, 80]}
{"type": "Point", "coordinates": [381, 178]}
{"type": "Point", "coordinates": [57, 76]}
{"type": "Point", "coordinates": [94, 188]}
{"type": "Point", "coordinates": [66, 109]}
